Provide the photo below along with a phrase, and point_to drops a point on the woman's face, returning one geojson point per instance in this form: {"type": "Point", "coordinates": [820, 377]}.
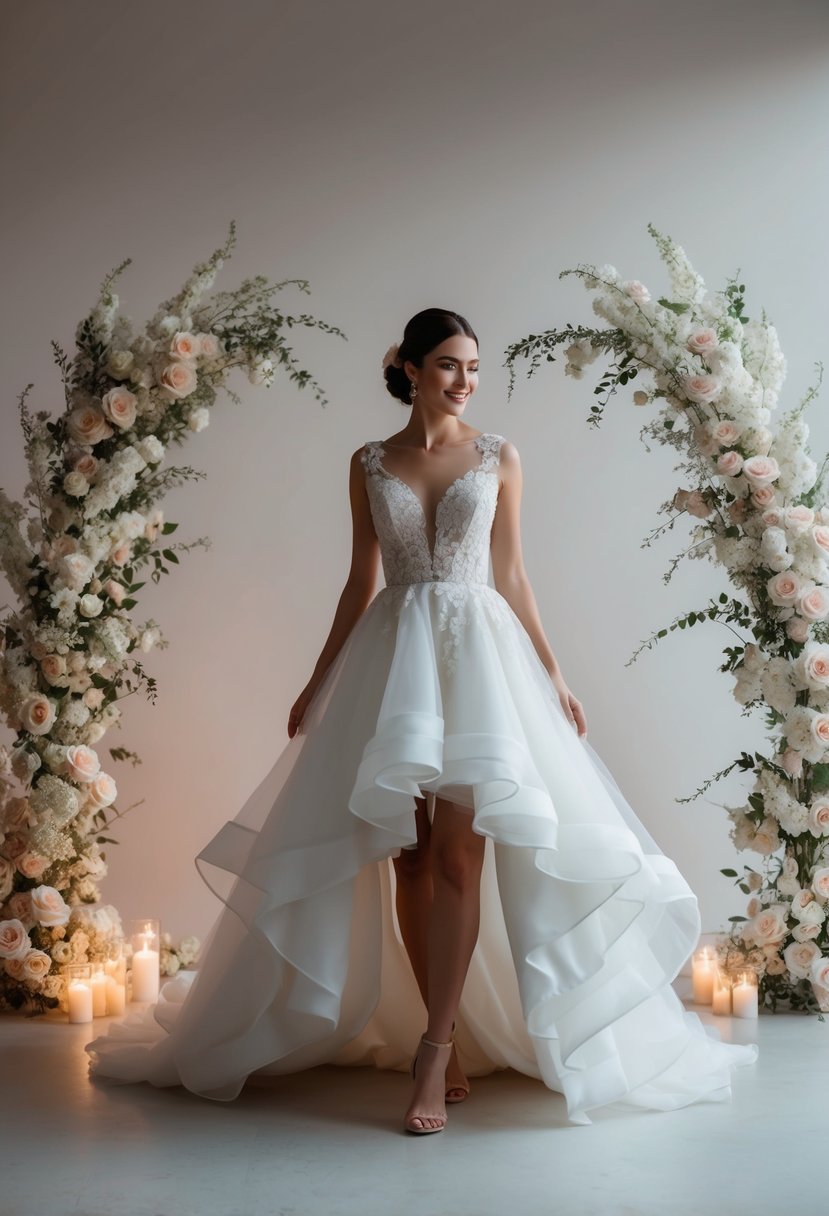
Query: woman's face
{"type": "Point", "coordinates": [449, 375]}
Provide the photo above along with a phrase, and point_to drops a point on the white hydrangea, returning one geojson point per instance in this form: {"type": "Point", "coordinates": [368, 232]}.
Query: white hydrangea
{"type": "Point", "coordinates": [54, 798]}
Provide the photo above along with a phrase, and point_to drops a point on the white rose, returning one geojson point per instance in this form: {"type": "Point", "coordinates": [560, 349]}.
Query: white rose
{"type": "Point", "coordinates": [198, 419]}
{"type": "Point", "coordinates": [90, 605]}
{"type": "Point", "coordinates": [820, 882]}
{"type": "Point", "coordinates": [76, 570]}
{"type": "Point", "coordinates": [36, 965]}
{"type": "Point", "coordinates": [75, 484]}
{"type": "Point", "coordinates": [48, 906]}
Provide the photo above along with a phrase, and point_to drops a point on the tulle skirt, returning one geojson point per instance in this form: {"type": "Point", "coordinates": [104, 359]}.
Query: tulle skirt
{"type": "Point", "coordinates": [584, 921]}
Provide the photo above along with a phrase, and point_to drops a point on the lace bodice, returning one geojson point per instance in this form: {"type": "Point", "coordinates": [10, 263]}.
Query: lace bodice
{"type": "Point", "coordinates": [463, 520]}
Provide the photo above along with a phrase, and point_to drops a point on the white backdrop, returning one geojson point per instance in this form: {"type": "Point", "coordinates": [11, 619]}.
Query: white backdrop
{"type": "Point", "coordinates": [401, 156]}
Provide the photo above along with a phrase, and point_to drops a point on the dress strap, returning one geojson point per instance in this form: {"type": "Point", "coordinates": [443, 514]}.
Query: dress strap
{"type": "Point", "coordinates": [490, 447]}
{"type": "Point", "coordinates": [371, 456]}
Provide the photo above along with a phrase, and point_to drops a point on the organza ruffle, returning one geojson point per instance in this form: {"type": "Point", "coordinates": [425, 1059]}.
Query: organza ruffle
{"type": "Point", "coordinates": [585, 922]}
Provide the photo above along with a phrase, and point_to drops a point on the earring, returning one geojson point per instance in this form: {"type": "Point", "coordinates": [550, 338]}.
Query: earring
{"type": "Point", "coordinates": [412, 390]}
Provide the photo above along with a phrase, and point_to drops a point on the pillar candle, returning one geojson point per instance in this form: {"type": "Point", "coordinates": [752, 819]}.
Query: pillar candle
{"type": "Point", "coordinates": [744, 998]}
{"type": "Point", "coordinates": [721, 999]}
{"type": "Point", "coordinates": [116, 994]}
{"type": "Point", "coordinates": [703, 972]}
{"type": "Point", "coordinates": [79, 998]}
{"type": "Point", "coordinates": [98, 984]}
{"type": "Point", "coordinates": [145, 973]}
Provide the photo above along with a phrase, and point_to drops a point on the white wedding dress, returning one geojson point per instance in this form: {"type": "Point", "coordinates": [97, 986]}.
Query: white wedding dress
{"type": "Point", "coordinates": [584, 921]}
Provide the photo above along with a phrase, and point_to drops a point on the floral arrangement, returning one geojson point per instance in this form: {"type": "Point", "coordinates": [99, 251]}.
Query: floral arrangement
{"type": "Point", "coordinates": [74, 552]}
{"type": "Point", "coordinates": [756, 499]}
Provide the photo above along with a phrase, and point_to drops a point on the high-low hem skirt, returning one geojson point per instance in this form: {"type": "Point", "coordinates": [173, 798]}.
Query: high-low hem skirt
{"type": "Point", "coordinates": [585, 922]}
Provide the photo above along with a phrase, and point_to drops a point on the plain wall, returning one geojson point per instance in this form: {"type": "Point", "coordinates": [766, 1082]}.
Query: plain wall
{"type": "Point", "coordinates": [400, 156]}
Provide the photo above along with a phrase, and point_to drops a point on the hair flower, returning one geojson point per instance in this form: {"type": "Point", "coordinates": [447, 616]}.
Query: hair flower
{"type": "Point", "coordinates": [390, 357]}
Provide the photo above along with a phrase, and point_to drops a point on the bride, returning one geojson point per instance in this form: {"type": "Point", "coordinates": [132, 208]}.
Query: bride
{"type": "Point", "coordinates": [438, 817]}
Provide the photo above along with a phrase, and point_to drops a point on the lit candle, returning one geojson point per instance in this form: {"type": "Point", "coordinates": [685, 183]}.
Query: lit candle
{"type": "Point", "coordinates": [744, 997]}
{"type": "Point", "coordinates": [721, 998]}
{"type": "Point", "coordinates": [116, 996]}
{"type": "Point", "coordinates": [702, 966]}
{"type": "Point", "coordinates": [98, 984]}
{"type": "Point", "coordinates": [79, 997]}
{"type": "Point", "coordinates": [145, 970]}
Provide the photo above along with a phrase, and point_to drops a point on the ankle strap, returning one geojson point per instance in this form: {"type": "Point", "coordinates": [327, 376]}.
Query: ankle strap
{"type": "Point", "coordinates": [432, 1043]}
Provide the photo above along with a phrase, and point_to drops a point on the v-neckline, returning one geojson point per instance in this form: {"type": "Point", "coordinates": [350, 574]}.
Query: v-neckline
{"type": "Point", "coordinates": [381, 451]}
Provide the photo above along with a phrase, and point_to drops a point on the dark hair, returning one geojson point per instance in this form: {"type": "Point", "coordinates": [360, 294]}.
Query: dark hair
{"type": "Point", "coordinates": [425, 331]}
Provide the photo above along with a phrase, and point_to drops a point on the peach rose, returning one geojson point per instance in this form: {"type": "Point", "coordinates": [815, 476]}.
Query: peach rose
{"type": "Point", "coordinates": [701, 387]}
{"type": "Point", "coordinates": [761, 470]}
{"type": "Point", "coordinates": [819, 817]}
{"type": "Point", "coordinates": [14, 846]}
{"type": "Point", "coordinates": [120, 406]}
{"type": "Point", "coordinates": [93, 698]}
{"type": "Point", "coordinates": [14, 940]}
{"type": "Point", "coordinates": [37, 714]}
{"type": "Point", "coordinates": [53, 666]}
{"type": "Point", "coordinates": [6, 877]}
{"type": "Point", "coordinates": [776, 966]}
{"type": "Point", "coordinates": [19, 907]}
{"type": "Point", "coordinates": [102, 790]}
{"type": "Point", "coordinates": [121, 553]}
{"type": "Point", "coordinates": [36, 965]}
{"type": "Point", "coordinates": [87, 424]}
{"type": "Point", "coordinates": [814, 604]}
{"type": "Point", "coordinates": [82, 763]}
{"type": "Point", "coordinates": [820, 971]}
{"type": "Point", "coordinates": [178, 379]}
{"type": "Point", "coordinates": [729, 464]}
{"type": "Point", "coordinates": [32, 865]}
{"type": "Point", "coordinates": [702, 341]}
{"type": "Point", "coordinates": [48, 906]}
{"type": "Point", "coordinates": [184, 345]}
{"type": "Point", "coordinates": [806, 933]}
{"type": "Point", "coordinates": [115, 591]}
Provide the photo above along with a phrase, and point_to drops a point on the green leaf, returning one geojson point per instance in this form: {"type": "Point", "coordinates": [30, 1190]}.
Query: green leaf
{"type": "Point", "coordinates": [170, 555]}
{"type": "Point", "coordinates": [168, 528]}
{"type": "Point", "coordinates": [729, 873]}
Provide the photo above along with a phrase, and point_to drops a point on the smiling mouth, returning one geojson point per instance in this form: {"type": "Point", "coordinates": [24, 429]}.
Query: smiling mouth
{"type": "Point", "coordinates": [458, 396]}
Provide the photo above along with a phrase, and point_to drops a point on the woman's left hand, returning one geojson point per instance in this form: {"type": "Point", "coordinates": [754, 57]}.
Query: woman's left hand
{"type": "Point", "coordinates": [571, 707]}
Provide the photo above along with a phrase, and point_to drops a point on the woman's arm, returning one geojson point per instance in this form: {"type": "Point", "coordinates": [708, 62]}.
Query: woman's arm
{"type": "Point", "coordinates": [512, 582]}
{"type": "Point", "coordinates": [358, 590]}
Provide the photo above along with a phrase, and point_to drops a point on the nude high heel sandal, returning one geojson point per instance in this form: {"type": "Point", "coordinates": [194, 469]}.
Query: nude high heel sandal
{"type": "Point", "coordinates": [424, 1131]}
{"type": "Point", "coordinates": [458, 1092]}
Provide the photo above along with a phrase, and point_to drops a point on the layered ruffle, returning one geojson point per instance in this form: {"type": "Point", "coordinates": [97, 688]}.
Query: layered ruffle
{"type": "Point", "coordinates": [585, 922]}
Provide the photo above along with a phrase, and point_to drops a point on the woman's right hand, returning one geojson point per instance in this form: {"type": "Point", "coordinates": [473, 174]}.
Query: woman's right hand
{"type": "Point", "coordinates": [299, 707]}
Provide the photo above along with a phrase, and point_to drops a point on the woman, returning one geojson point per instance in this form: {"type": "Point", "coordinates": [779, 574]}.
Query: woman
{"type": "Point", "coordinates": [438, 732]}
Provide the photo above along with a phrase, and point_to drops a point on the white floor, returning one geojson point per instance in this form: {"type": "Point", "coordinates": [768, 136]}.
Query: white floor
{"type": "Point", "coordinates": [329, 1142]}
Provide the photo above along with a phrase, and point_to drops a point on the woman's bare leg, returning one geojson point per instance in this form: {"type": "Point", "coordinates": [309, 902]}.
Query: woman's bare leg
{"type": "Point", "coordinates": [413, 901]}
{"type": "Point", "coordinates": [457, 859]}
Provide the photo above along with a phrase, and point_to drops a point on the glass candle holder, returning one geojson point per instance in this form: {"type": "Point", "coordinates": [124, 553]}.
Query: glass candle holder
{"type": "Point", "coordinates": [744, 1003]}
{"type": "Point", "coordinates": [115, 968]}
{"type": "Point", "coordinates": [146, 954]}
{"type": "Point", "coordinates": [721, 996]}
{"type": "Point", "coordinates": [78, 977]}
{"type": "Point", "coordinates": [98, 984]}
{"type": "Point", "coordinates": [703, 965]}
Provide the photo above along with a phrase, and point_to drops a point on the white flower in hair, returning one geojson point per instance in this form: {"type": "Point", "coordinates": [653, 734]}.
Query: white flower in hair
{"type": "Point", "coordinates": [391, 356]}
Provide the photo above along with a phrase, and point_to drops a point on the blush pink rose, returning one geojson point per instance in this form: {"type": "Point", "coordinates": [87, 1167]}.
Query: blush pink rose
{"type": "Point", "coordinates": [772, 517]}
{"type": "Point", "coordinates": [702, 341]}
{"type": "Point", "coordinates": [769, 926]}
{"type": "Point", "coordinates": [727, 433]}
{"type": "Point", "coordinates": [121, 553]}
{"type": "Point", "coordinates": [819, 817]}
{"type": "Point", "coordinates": [36, 965]}
{"type": "Point", "coordinates": [820, 882]}
{"type": "Point", "coordinates": [761, 469]}
{"type": "Point", "coordinates": [209, 345]}
{"type": "Point", "coordinates": [120, 406]}
{"type": "Point", "coordinates": [820, 729]}
{"type": "Point", "coordinates": [784, 588]}
{"type": "Point", "coordinates": [701, 387]}
{"type": "Point", "coordinates": [697, 506]}
{"type": "Point", "coordinates": [792, 761]}
{"type": "Point", "coordinates": [737, 510]}
{"type": "Point", "coordinates": [14, 846]}
{"type": "Point", "coordinates": [798, 519]}
{"type": "Point", "coordinates": [178, 379]}
{"type": "Point", "coordinates": [102, 790]}
{"type": "Point", "coordinates": [729, 463]}
{"type": "Point", "coordinates": [814, 604]}
{"type": "Point", "coordinates": [115, 591]}
{"type": "Point", "coordinates": [763, 496]}
{"type": "Point", "coordinates": [19, 907]}
{"type": "Point", "coordinates": [86, 464]}
{"type": "Point", "coordinates": [14, 940]}
{"type": "Point", "coordinates": [820, 537]}
{"type": "Point", "coordinates": [82, 763]}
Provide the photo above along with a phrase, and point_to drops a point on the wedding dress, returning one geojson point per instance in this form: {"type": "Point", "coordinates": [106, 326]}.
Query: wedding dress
{"type": "Point", "coordinates": [584, 921]}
